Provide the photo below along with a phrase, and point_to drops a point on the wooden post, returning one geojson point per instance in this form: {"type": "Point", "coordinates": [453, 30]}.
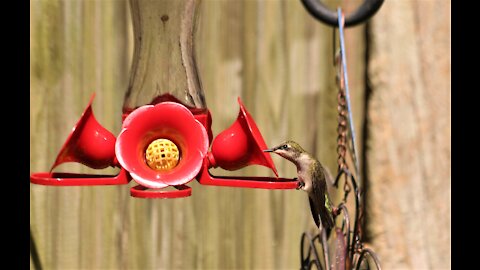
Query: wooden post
{"type": "Point", "coordinates": [409, 131]}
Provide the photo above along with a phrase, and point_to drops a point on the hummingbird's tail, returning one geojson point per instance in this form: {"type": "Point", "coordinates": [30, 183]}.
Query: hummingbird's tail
{"type": "Point", "coordinates": [321, 214]}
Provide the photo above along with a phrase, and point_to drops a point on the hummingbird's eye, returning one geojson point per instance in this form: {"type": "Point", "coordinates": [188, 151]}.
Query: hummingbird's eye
{"type": "Point", "coordinates": [284, 146]}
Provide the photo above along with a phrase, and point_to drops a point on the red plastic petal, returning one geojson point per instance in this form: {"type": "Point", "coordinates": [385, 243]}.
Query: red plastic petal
{"type": "Point", "coordinates": [167, 120]}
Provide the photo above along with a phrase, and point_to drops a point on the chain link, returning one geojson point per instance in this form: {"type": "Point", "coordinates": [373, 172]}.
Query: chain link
{"type": "Point", "coordinates": [342, 127]}
{"type": "Point", "coordinates": [342, 117]}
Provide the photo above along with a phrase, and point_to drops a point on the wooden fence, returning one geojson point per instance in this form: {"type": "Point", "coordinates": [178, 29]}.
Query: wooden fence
{"type": "Point", "coordinates": [278, 59]}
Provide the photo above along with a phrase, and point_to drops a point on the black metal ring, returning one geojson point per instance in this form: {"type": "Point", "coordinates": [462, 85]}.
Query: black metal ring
{"type": "Point", "coordinates": [318, 10]}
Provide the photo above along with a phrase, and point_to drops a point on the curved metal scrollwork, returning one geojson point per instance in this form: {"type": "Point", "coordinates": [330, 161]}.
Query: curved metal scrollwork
{"type": "Point", "coordinates": [345, 249]}
{"type": "Point", "coordinates": [305, 257]}
{"type": "Point", "coordinates": [365, 254]}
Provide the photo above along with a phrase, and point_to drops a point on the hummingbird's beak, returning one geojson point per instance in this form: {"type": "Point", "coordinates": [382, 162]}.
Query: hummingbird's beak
{"type": "Point", "coordinates": [269, 150]}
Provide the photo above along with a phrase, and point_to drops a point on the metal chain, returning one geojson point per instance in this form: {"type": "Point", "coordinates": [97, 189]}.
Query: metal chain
{"type": "Point", "coordinates": [342, 127]}
{"type": "Point", "coordinates": [342, 122]}
{"type": "Point", "coordinates": [342, 63]}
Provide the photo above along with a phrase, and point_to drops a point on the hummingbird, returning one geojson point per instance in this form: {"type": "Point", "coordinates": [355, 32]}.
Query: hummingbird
{"type": "Point", "coordinates": [312, 179]}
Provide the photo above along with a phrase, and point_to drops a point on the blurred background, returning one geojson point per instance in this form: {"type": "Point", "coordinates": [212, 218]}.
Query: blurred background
{"type": "Point", "coordinates": [279, 60]}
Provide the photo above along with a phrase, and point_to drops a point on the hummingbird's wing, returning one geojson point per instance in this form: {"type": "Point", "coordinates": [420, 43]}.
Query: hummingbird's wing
{"type": "Point", "coordinates": [317, 198]}
{"type": "Point", "coordinates": [314, 211]}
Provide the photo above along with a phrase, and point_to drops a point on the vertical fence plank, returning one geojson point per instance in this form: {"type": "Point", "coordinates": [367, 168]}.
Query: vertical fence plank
{"type": "Point", "coordinates": [409, 147]}
{"type": "Point", "coordinates": [77, 48]}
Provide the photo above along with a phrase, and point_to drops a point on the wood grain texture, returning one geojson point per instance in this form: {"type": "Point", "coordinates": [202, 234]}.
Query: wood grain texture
{"type": "Point", "coordinates": [270, 53]}
{"type": "Point", "coordinates": [77, 48]}
{"type": "Point", "coordinates": [409, 149]}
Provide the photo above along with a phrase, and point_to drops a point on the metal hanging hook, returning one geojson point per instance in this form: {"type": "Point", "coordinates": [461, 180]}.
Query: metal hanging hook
{"type": "Point", "coordinates": [318, 10]}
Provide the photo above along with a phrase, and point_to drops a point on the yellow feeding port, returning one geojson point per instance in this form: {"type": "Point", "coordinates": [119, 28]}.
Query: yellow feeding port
{"type": "Point", "coordinates": [162, 155]}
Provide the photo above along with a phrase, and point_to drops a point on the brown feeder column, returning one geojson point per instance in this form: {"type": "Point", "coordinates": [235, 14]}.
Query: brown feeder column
{"type": "Point", "coordinates": [163, 66]}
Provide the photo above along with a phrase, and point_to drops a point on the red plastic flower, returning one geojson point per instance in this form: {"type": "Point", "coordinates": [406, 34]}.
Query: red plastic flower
{"type": "Point", "coordinates": [169, 121]}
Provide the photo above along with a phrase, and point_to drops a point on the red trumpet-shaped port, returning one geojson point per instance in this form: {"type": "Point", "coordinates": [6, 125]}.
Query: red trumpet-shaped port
{"type": "Point", "coordinates": [152, 136]}
{"type": "Point", "coordinates": [88, 143]}
{"type": "Point", "coordinates": [240, 145]}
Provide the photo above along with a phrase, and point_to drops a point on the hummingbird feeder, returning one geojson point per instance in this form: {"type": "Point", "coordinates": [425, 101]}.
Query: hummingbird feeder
{"type": "Point", "coordinates": [164, 144]}
{"type": "Point", "coordinates": [166, 138]}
